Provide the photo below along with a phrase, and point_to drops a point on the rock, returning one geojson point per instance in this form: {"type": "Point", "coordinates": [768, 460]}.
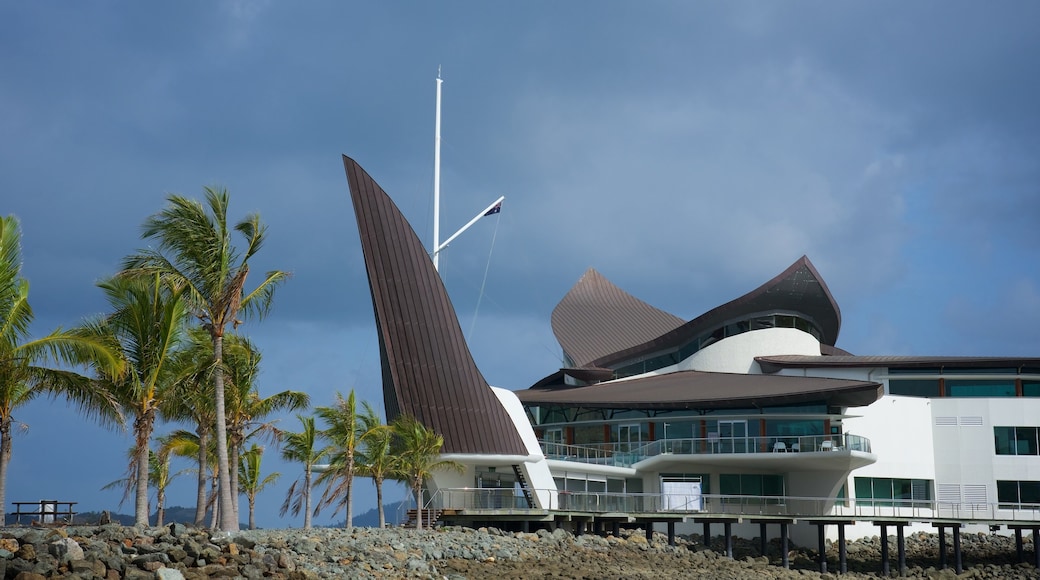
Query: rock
{"type": "Point", "coordinates": [66, 549]}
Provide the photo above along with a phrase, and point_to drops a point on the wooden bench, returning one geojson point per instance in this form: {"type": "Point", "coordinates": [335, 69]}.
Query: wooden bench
{"type": "Point", "coordinates": [45, 511]}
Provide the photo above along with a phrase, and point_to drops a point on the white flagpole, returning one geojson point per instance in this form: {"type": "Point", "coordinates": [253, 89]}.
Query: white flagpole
{"type": "Point", "coordinates": [437, 174]}
{"type": "Point", "coordinates": [482, 213]}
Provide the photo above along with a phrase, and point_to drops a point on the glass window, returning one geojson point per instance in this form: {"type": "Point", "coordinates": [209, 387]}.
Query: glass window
{"type": "Point", "coordinates": [980, 388]}
{"type": "Point", "coordinates": [752, 484]}
{"type": "Point", "coordinates": [1025, 441]}
{"type": "Point", "coordinates": [1002, 438]}
{"type": "Point", "coordinates": [914, 388]}
{"type": "Point", "coordinates": [980, 371]}
{"type": "Point", "coordinates": [915, 371]}
{"type": "Point", "coordinates": [1031, 388]}
{"type": "Point", "coordinates": [884, 491]}
{"type": "Point", "coordinates": [1018, 492]}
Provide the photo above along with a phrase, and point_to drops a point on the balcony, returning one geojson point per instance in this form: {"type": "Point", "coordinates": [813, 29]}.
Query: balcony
{"type": "Point", "coordinates": [810, 450]}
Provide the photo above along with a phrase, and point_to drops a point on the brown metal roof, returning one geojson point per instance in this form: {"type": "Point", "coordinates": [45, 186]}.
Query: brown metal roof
{"type": "Point", "coordinates": [700, 390]}
{"type": "Point", "coordinates": [596, 319]}
{"type": "Point", "coordinates": [772, 364]}
{"type": "Point", "coordinates": [799, 289]}
{"type": "Point", "coordinates": [428, 371]}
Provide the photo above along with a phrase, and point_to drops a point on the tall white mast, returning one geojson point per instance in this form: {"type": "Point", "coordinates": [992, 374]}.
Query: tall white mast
{"type": "Point", "coordinates": [495, 207]}
{"type": "Point", "coordinates": [437, 176]}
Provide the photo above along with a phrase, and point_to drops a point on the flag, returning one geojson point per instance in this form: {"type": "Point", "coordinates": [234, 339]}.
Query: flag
{"type": "Point", "coordinates": [494, 210]}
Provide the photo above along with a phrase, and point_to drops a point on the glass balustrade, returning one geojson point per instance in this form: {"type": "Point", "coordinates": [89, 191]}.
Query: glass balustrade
{"type": "Point", "coordinates": [628, 454]}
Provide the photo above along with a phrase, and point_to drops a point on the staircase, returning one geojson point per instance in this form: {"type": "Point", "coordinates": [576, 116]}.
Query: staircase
{"type": "Point", "coordinates": [429, 518]}
{"type": "Point", "coordinates": [523, 486]}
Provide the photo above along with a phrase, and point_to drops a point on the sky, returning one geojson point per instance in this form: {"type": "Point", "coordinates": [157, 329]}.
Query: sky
{"type": "Point", "coordinates": [689, 151]}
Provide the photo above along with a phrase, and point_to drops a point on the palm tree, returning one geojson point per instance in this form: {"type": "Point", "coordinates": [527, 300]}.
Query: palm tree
{"type": "Point", "coordinates": [301, 447]}
{"type": "Point", "coordinates": [195, 252]}
{"type": "Point", "coordinates": [246, 410]}
{"type": "Point", "coordinates": [148, 323]}
{"type": "Point", "coordinates": [22, 376]}
{"type": "Point", "coordinates": [249, 481]}
{"type": "Point", "coordinates": [417, 450]}
{"type": "Point", "coordinates": [184, 443]}
{"type": "Point", "coordinates": [345, 432]}
{"type": "Point", "coordinates": [194, 403]}
{"type": "Point", "coordinates": [374, 458]}
{"type": "Point", "coordinates": [159, 477]}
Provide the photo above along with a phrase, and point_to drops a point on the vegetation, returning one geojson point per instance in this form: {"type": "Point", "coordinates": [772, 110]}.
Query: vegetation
{"type": "Point", "coordinates": [164, 352]}
{"type": "Point", "coordinates": [147, 323]}
{"type": "Point", "coordinates": [195, 253]}
{"type": "Point", "coordinates": [24, 375]}
{"type": "Point", "coordinates": [417, 451]}
{"type": "Point", "coordinates": [345, 432]}
{"type": "Point", "coordinates": [301, 447]}
{"type": "Point", "coordinates": [250, 481]}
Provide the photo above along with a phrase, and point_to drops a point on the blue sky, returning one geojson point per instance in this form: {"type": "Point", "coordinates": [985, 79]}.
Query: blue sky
{"type": "Point", "coordinates": [689, 151]}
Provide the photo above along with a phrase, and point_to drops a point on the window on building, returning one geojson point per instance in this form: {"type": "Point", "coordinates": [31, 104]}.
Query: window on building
{"type": "Point", "coordinates": [1031, 388]}
{"type": "Point", "coordinates": [1016, 440]}
{"type": "Point", "coordinates": [1013, 494]}
{"type": "Point", "coordinates": [758, 485]}
{"type": "Point", "coordinates": [980, 388]}
{"type": "Point", "coordinates": [887, 491]}
{"type": "Point", "coordinates": [914, 388]}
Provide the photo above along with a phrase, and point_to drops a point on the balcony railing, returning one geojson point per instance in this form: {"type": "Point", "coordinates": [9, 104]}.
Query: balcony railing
{"type": "Point", "coordinates": [628, 454]}
{"type": "Point", "coordinates": [509, 501]}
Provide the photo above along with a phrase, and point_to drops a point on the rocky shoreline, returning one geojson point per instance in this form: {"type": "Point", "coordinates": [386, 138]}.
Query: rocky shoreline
{"type": "Point", "coordinates": [174, 552]}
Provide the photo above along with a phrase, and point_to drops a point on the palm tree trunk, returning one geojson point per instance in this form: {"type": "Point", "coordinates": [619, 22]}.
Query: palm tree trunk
{"type": "Point", "coordinates": [201, 501]}
{"type": "Point", "coordinates": [379, 502]}
{"type": "Point", "coordinates": [216, 508]}
{"type": "Point", "coordinates": [233, 459]}
{"type": "Point", "coordinates": [143, 432]}
{"type": "Point", "coordinates": [160, 511]}
{"type": "Point", "coordinates": [252, 512]}
{"type": "Point", "coordinates": [307, 497]}
{"type": "Point", "coordinates": [5, 458]}
{"type": "Point", "coordinates": [350, 493]}
{"type": "Point", "coordinates": [417, 489]}
{"type": "Point", "coordinates": [225, 501]}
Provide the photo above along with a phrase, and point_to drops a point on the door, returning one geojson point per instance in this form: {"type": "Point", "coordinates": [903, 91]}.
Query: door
{"type": "Point", "coordinates": [628, 437]}
{"type": "Point", "coordinates": [733, 436]}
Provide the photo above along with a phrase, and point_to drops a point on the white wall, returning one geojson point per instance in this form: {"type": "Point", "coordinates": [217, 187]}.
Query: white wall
{"type": "Point", "coordinates": [736, 354]}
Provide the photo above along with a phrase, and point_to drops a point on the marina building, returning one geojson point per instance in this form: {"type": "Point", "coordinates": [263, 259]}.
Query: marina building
{"type": "Point", "coordinates": [747, 415]}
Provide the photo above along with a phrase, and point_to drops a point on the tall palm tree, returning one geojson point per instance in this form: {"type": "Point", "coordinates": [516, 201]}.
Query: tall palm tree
{"type": "Point", "coordinates": [344, 432]}
{"type": "Point", "coordinates": [374, 457]}
{"type": "Point", "coordinates": [23, 378]}
{"type": "Point", "coordinates": [148, 323]}
{"type": "Point", "coordinates": [417, 450]}
{"type": "Point", "coordinates": [195, 252]}
{"type": "Point", "coordinates": [250, 482]}
{"type": "Point", "coordinates": [301, 447]}
{"type": "Point", "coordinates": [194, 403]}
{"type": "Point", "coordinates": [246, 409]}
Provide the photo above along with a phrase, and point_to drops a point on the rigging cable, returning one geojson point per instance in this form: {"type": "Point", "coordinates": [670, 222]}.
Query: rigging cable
{"type": "Point", "coordinates": [483, 282]}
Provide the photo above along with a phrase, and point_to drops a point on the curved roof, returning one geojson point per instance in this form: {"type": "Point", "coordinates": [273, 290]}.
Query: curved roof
{"type": "Point", "coordinates": [701, 390]}
{"type": "Point", "coordinates": [799, 289]}
{"type": "Point", "coordinates": [428, 371]}
{"type": "Point", "coordinates": [596, 319]}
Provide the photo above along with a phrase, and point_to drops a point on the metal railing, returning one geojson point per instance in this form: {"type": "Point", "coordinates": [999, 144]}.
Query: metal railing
{"type": "Point", "coordinates": [509, 501]}
{"type": "Point", "coordinates": [628, 454]}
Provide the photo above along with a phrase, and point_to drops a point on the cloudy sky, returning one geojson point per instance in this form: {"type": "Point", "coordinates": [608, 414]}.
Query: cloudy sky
{"type": "Point", "coordinates": [689, 151]}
